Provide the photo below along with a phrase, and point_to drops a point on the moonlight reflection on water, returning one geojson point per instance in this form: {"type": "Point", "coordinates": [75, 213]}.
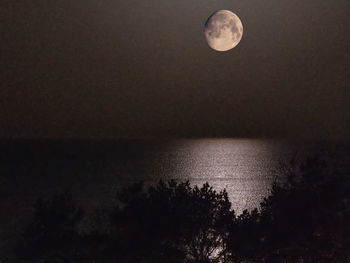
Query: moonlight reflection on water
{"type": "Point", "coordinates": [95, 170]}
{"type": "Point", "coordinates": [245, 168]}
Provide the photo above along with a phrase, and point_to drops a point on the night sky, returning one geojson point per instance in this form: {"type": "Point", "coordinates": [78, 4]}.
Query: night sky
{"type": "Point", "coordinates": [134, 69]}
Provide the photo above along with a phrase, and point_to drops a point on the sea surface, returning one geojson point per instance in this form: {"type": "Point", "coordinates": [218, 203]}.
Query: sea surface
{"type": "Point", "coordinates": [94, 170]}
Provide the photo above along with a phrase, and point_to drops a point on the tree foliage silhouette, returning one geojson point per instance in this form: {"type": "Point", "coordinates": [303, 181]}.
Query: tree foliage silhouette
{"type": "Point", "coordinates": [306, 216]}
{"type": "Point", "coordinates": [173, 222]}
{"type": "Point", "coordinates": [52, 235]}
{"type": "Point", "coordinates": [305, 219]}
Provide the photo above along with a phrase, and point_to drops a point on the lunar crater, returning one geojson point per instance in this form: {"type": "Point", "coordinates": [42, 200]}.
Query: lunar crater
{"type": "Point", "coordinates": [223, 30]}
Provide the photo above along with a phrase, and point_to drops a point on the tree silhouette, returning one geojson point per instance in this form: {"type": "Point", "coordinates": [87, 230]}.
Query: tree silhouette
{"type": "Point", "coordinates": [173, 222]}
{"type": "Point", "coordinates": [305, 219]}
{"type": "Point", "coordinates": [306, 216]}
{"type": "Point", "coordinates": [52, 235]}
{"type": "Point", "coordinates": [246, 237]}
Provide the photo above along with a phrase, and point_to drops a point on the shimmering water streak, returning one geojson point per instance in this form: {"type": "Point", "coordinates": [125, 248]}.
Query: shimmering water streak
{"type": "Point", "coordinates": [94, 170]}
{"type": "Point", "coordinates": [245, 168]}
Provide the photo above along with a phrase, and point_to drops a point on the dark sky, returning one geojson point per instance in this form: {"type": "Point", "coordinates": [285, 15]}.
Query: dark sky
{"type": "Point", "coordinates": [136, 68]}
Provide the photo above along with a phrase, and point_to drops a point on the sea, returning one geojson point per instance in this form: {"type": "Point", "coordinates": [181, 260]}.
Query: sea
{"type": "Point", "coordinates": [94, 170]}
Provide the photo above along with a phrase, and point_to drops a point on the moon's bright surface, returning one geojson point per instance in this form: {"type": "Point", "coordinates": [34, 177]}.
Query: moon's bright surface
{"type": "Point", "coordinates": [223, 30]}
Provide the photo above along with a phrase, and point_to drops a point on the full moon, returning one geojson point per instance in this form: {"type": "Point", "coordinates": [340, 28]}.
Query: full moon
{"type": "Point", "coordinates": [223, 30]}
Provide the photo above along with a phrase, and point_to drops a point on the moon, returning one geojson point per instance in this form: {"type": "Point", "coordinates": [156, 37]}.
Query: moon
{"type": "Point", "coordinates": [223, 30]}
